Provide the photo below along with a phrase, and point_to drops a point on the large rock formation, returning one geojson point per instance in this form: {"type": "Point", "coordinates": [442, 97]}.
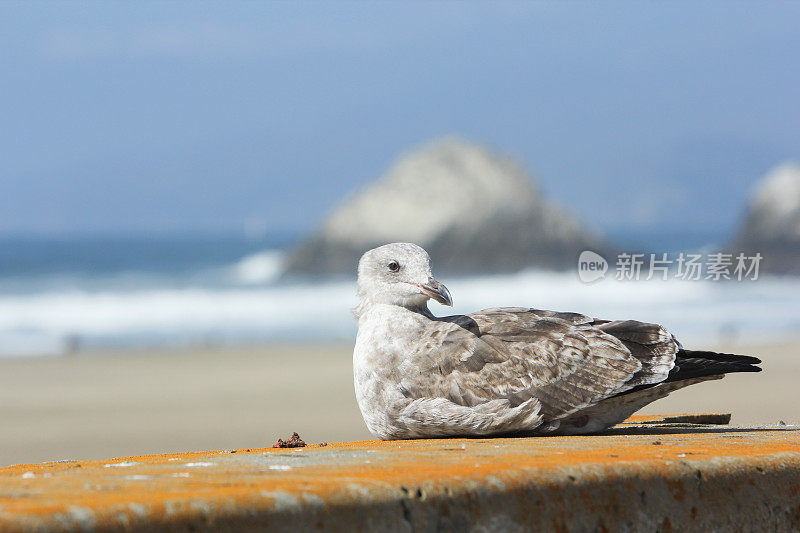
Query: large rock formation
{"type": "Point", "coordinates": [473, 210]}
{"type": "Point", "coordinates": [772, 224]}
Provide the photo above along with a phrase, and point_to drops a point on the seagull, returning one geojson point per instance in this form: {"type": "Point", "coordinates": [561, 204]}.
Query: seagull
{"type": "Point", "coordinates": [505, 370]}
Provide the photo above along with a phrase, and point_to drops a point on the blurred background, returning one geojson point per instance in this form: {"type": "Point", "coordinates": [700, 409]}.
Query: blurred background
{"type": "Point", "coordinates": [185, 189]}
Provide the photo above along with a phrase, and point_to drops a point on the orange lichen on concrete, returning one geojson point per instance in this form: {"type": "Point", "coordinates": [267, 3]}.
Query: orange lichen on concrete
{"type": "Point", "coordinates": [636, 475]}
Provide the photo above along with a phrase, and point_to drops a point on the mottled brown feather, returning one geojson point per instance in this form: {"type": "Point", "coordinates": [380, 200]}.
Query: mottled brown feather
{"type": "Point", "coordinates": [560, 359]}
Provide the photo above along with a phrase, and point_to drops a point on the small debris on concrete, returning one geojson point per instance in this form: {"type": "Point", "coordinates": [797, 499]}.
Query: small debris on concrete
{"type": "Point", "coordinates": [656, 442]}
{"type": "Point", "coordinates": [717, 419]}
{"type": "Point", "coordinates": [294, 442]}
{"type": "Point", "coordinates": [322, 444]}
{"type": "Point", "coordinates": [781, 423]}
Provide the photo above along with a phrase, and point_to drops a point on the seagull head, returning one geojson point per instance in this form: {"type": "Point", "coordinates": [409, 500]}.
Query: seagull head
{"type": "Point", "coordinates": [399, 274]}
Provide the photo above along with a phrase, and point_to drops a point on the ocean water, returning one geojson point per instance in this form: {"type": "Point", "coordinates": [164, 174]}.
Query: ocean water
{"type": "Point", "coordinates": [58, 297]}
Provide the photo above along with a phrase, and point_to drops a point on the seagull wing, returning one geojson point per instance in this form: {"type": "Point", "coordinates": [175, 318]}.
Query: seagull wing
{"type": "Point", "coordinates": [651, 344]}
{"type": "Point", "coordinates": [565, 361]}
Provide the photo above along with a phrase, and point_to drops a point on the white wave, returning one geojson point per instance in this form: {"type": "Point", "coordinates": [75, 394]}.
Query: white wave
{"type": "Point", "coordinates": [48, 321]}
{"type": "Point", "coordinates": [301, 311]}
{"type": "Point", "coordinates": [259, 268]}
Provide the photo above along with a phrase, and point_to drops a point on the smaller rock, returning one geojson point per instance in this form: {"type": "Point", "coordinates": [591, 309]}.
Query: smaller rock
{"type": "Point", "coordinates": [772, 224]}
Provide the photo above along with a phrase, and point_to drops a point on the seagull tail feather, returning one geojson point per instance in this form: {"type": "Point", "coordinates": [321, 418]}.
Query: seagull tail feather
{"type": "Point", "coordinates": [697, 363]}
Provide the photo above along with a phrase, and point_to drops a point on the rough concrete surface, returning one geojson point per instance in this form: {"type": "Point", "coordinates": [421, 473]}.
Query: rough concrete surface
{"type": "Point", "coordinates": [648, 474]}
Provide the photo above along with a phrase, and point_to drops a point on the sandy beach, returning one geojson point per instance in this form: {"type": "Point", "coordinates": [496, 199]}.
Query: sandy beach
{"type": "Point", "coordinates": [102, 405]}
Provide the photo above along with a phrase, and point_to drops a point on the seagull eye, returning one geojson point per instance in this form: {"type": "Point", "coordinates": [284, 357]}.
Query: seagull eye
{"type": "Point", "coordinates": [394, 266]}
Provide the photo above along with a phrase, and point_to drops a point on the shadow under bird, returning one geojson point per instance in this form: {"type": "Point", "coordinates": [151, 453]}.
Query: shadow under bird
{"type": "Point", "coordinates": [508, 370]}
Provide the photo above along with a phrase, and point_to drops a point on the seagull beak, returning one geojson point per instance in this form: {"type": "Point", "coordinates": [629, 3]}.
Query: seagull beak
{"type": "Point", "coordinates": [437, 291]}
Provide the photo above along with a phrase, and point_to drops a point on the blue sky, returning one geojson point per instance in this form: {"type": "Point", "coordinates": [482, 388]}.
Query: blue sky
{"type": "Point", "coordinates": [163, 118]}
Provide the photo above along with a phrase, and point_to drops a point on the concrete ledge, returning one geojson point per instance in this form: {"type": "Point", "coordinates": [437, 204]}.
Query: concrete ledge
{"type": "Point", "coordinates": [641, 476]}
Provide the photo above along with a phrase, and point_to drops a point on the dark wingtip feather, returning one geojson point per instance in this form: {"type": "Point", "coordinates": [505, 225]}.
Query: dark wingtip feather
{"type": "Point", "coordinates": [720, 356]}
{"type": "Point", "coordinates": [749, 369]}
{"type": "Point", "coordinates": [697, 363]}
{"type": "Point", "coordinates": [691, 364]}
